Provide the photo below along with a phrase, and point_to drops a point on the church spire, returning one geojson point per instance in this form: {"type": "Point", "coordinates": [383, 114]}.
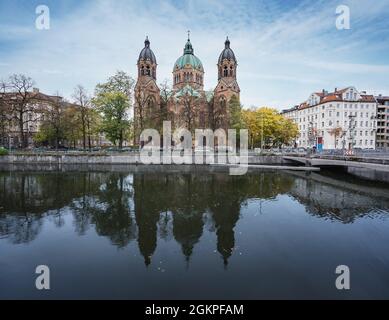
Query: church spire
{"type": "Point", "coordinates": [188, 47]}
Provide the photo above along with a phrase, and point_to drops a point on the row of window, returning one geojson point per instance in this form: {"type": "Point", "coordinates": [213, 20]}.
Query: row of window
{"type": "Point", "coordinates": [147, 71]}
{"type": "Point", "coordinates": [346, 114]}
{"type": "Point", "coordinates": [362, 124]}
{"type": "Point", "coordinates": [361, 134]}
{"type": "Point", "coordinates": [338, 106]}
{"type": "Point", "coordinates": [360, 143]}
{"type": "Point", "coordinates": [188, 77]}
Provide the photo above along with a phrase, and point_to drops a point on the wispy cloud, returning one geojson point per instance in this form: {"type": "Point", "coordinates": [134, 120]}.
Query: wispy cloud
{"type": "Point", "coordinates": [285, 49]}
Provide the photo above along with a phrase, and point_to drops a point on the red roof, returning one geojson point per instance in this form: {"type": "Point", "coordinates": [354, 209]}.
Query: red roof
{"type": "Point", "coordinates": [336, 97]}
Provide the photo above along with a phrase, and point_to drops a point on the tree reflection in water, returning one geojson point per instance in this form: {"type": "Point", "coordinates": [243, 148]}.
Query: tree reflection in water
{"type": "Point", "coordinates": [125, 207]}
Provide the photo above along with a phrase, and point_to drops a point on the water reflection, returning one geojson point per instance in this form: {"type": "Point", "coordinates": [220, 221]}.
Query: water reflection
{"type": "Point", "coordinates": [143, 207]}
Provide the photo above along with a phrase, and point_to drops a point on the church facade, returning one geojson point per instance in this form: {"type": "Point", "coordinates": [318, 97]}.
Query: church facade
{"type": "Point", "coordinates": [186, 104]}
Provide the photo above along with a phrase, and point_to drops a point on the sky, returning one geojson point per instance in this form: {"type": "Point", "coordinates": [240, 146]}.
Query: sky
{"type": "Point", "coordinates": [285, 49]}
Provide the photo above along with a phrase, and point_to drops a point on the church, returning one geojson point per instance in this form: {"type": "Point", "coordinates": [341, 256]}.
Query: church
{"type": "Point", "coordinates": [186, 104]}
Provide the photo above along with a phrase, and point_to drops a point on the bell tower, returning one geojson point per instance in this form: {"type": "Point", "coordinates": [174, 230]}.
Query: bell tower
{"type": "Point", "coordinates": [147, 93]}
{"type": "Point", "coordinates": [227, 69]}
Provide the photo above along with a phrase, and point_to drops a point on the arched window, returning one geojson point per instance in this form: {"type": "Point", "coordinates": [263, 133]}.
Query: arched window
{"type": "Point", "coordinates": [223, 102]}
{"type": "Point", "coordinates": [150, 105]}
{"type": "Point", "coordinates": [225, 71]}
{"type": "Point", "coordinates": [142, 71]}
{"type": "Point", "coordinates": [148, 71]}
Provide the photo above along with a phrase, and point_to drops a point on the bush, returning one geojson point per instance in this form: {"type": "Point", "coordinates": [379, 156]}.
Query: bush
{"type": "Point", "coordinates": [3, 152]}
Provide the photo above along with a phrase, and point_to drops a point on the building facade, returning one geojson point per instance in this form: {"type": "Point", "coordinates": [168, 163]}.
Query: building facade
{"type": "Point", "coordinates": [32, 117]}
{"type": "Point", "coordinates": [382, 122]}
{"type": "Point", "coordinates": [343, 119]}
{"type": "Point", "coordinates": [187, 105]}
{"type": "Point", "coordinates": [36, 110]}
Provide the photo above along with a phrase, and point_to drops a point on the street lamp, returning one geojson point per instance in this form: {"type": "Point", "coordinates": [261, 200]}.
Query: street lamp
{"type": "Point", "coordinates": [352, 126]}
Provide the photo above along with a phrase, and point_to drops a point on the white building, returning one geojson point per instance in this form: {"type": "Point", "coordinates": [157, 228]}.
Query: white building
{"type": "Point", "coordinates": [341, 119]}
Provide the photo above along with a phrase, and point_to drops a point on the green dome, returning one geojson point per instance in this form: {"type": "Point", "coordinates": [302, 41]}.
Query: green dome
{"type": "Point", "coordinates": [188, 59]}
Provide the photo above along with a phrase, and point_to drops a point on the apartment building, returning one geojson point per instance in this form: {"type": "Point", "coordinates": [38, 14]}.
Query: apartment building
{"type": "Point", "coordinates": [342, 119]}
{"type": "Point", "coordinates": [382, 122]}
{"type": "Point", "coordinates": [38, 104]}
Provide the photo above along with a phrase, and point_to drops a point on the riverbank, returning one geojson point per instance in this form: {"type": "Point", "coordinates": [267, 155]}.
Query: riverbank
{"type": "Point", "coordinates": [120, 158]}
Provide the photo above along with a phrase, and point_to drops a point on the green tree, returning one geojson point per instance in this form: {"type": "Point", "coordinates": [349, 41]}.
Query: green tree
{"type": "Point", "coordinates": [120, 82]}
{"type": "Point", "coordinates": [235, 114]}
{"type": "Point", "coordinates": [114, 107]}
{"type": "Point", "coordinates": [268, 128]}
{"type": "Point", "coordinates": [52, 129]}
{"type": "Point", "coordinates": [113, 100]}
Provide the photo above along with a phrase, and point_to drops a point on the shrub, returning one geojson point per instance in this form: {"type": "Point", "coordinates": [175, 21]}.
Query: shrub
{"type": "Point", "coordinates": [3, 152]}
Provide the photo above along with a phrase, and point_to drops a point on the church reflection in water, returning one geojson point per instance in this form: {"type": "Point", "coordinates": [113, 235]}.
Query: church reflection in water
{"type": "Point", "coordinates": [143, 207]}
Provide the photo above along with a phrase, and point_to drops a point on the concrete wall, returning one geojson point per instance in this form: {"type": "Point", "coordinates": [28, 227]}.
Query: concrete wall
{"type": "Point", "coordinates": [108, 159]}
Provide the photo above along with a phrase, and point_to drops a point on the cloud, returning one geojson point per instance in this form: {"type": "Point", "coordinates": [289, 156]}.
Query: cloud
{"type": "Point", "coordinates": [284, 50]}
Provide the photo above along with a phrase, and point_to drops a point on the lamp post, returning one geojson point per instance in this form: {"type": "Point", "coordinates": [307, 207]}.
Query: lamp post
{"type": "Point", "coordinates": [352, 126]}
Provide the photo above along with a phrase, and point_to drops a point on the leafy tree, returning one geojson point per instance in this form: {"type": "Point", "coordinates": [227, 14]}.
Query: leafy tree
{"type": "Point", "coordinates": [120, 82]}
{"type": "Point", "coordinates": [235, 113]}
{"type": "Point", "coordinates": [113, 100]}
{"type": "Point", "coordinates": [114, 107]}
{"type": "Point", "coordinates": [52, 129]}
{"type": "Point", "coordinates": [268, 128]}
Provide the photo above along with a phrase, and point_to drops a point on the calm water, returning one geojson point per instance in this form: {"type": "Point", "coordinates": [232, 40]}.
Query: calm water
{"type": "Point", "coordinates": [202, 235]}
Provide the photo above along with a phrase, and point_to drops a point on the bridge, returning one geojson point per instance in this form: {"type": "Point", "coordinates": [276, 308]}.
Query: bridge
{"type": "Point", "coordinates": [377, 164]}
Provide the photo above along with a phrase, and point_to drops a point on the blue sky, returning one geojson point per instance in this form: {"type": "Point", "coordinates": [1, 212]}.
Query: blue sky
{"type": "Point", "coordinates": [285, 49]}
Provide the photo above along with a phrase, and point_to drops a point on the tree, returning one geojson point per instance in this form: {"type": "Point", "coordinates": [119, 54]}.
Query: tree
{"type": "Point", "coordinates": [4, 114]}
{"type": "Point", "coordinates": [72, 125]}
{"type": "Point", "coordinates": [22, 103]}
{"type": "Point", "coordinates": [166, 94]}
{"type": "Point", "coordinates": [235, 114]}
{"type": "Point", "coordinates": [85, 112]}
{"type": "Point", "coordinates": [268, 128]}
{"type": "Point", "coordinates": [286, 132]}
{"type": "Point", "coordinates": [114, 107]}
{"type": "Point", "coordinates": [144, 105]}
{"type": "Point", "coordinates": [120, 82]}
{"type": "Point", "coordinates": [218, 114]}
{"type": "Point", "coordinates": [190, 102]}
{"type": "Point", "coordinates": [52, 129]}
{"type": "Point", "coordinates": [336, 132]}
{"type": "Point", "coordinates": [113, 100]}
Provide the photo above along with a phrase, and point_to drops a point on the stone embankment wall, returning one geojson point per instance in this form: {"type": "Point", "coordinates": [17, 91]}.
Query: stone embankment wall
{"type": "Point", "coordinates": [107, 159]}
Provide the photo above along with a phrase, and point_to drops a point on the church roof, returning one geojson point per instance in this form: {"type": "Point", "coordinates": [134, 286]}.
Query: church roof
{"type": "Point", "coordinates": [147, 53]}
{"type": "Point", "coordinates": [187, 90]}
{"type": "Point", "coordinates": [227, 53]}
{"type": "Point", "coordinates": [188, 59]}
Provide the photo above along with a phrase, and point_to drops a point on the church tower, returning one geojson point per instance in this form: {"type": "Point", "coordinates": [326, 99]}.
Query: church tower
{"type": "Point", "coordinates": [188, 70]}
{"type": "Point", "coordinates": [147, 93]}
{"type": "Point", "coordinates": [227, 86]}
